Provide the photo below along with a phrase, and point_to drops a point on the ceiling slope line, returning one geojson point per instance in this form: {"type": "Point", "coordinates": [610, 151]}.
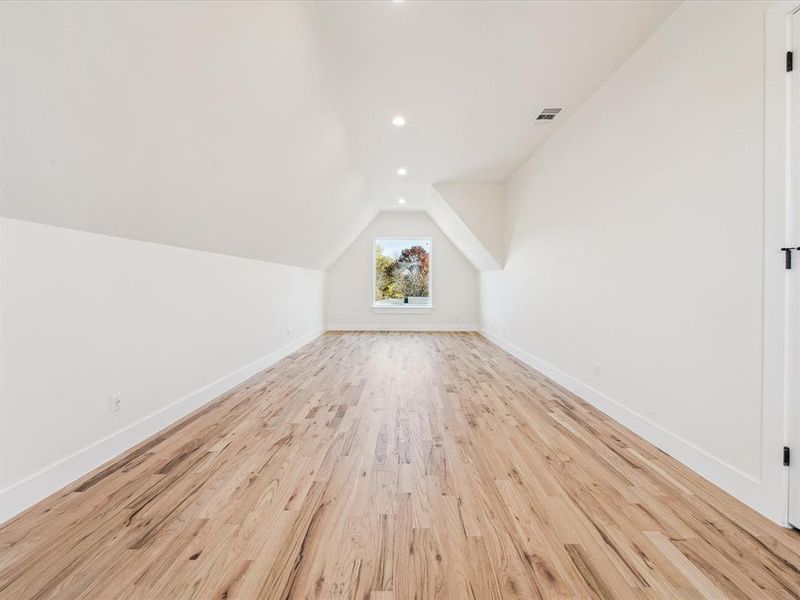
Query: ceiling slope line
{"type": "Point", "coordinates": [472, 215]}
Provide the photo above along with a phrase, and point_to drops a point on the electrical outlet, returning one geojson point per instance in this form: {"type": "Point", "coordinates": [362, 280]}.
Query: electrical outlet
{"type": "Point", "coordinates": [596, 367]}
{"type": "Point", "coordinates": [116, 401]}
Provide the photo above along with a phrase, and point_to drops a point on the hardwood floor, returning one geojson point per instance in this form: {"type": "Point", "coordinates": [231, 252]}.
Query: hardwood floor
{"type": "Point", "coordinates": [392, 466]}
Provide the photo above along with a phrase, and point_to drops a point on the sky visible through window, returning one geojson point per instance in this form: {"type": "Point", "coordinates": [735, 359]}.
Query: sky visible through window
{"type": "Point", "coordinates": [394, 248]}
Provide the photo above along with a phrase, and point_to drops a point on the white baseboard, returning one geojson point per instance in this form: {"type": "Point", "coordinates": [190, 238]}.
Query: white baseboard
{"type": "Point", "coordinates": [742, 486]}
{"type": "Point", "coordinates": [400, 327]}
{"type": "Point", "coordinates": [25, 493]}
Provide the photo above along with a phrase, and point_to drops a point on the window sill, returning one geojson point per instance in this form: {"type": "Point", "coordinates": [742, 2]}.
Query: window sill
{"type": "Point", "coordinates": [384, 309]}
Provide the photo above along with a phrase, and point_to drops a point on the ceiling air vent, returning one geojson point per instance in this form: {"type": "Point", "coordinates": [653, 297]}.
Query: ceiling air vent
{"type": "Point", "coordinates": [548, 114]}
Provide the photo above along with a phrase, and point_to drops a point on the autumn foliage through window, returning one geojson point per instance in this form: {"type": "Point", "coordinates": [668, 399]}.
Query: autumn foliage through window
{"type": "Point", "coordinates": [402, 272]}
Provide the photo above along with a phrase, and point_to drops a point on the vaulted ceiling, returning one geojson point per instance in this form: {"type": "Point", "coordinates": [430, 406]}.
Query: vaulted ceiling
{"type": "Point", "coordinates": [265, 129]}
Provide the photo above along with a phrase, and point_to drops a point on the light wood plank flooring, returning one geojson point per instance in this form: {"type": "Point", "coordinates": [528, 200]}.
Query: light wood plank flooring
{"type": "Point", "coordinates": [396, 466]}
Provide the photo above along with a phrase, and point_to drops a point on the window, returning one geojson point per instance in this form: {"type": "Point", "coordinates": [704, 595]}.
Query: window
{"type": "Point", "coordinates": [402, 273]}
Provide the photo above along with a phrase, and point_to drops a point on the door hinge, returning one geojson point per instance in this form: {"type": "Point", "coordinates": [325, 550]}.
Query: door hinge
{"type": "Point", "coordinates": [789, 62]}
{"type": "Point", "coordinates": [787, 257]}
{"type": "Point", "coordinates": [786, 456]}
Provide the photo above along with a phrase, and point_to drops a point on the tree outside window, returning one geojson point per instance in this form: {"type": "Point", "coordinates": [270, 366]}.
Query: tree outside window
{"type": "Point", "coordinates": [402, 272]}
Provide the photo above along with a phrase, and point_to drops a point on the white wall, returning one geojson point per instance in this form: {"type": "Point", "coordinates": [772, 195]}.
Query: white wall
{"type": "Point", "coordinates": [481, 206]}
{"type": "Point", "coordinates": [454, 281]}
{"type": "Point", "coordinates": [85, 315]}
{"type": "Point", "coordinates": [634, 271]}
{"type": "Point", "coordinates": [206, 125]}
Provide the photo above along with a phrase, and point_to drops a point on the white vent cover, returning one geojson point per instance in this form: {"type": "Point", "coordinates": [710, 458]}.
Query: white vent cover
{"type": "Point", "coordinates": [548, 114]}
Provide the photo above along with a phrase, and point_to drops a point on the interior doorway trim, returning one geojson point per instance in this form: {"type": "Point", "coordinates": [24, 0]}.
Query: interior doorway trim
{"type": "Point", "coordinates": [781, 343]}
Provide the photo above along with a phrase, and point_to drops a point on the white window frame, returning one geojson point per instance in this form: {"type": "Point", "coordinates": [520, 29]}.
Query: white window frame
{"type": "Point", "coordinates": [380, 308]}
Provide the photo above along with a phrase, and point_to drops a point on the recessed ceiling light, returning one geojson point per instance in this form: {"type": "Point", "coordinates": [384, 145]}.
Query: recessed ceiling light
{"type": "Point", "coordinates": [401, 171]}
{"type": "Point", "coordinates": [399, 121]}
{"type": "Point", "coordinates": [401, 200]}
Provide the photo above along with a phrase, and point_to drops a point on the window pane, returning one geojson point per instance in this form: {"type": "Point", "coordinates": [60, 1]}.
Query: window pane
{"type": "Point", "coordinates": [403, 272]}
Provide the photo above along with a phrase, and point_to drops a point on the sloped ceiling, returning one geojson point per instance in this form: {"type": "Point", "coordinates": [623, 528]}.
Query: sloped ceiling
{"type": "Point", "coordinates": [263, 129]}
{"type": "Point", "coordinates": [475, 213]}
{"type": "Point", "coordinates": [205, 125]}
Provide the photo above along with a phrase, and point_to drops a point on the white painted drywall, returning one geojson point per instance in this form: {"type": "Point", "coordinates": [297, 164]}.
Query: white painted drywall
{"type": "Point", "coordinates": [206, 125]}
{"type": "Point", "coordinates": [482, 208]}
{"type": "Point", "coordinates": [454, 284]}
{"type": "Point", "coordinates": [85, 315]}
{"type": "Point", "coordinates": [634, 271]}
{"type": "Point", "coordinates": [458, 232]}
{"type": "Point", "coordinates": [263, 129]}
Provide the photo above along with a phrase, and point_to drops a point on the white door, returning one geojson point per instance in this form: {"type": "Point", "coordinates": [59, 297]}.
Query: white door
{"type": "Point", "coordinates": [793, 277]}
